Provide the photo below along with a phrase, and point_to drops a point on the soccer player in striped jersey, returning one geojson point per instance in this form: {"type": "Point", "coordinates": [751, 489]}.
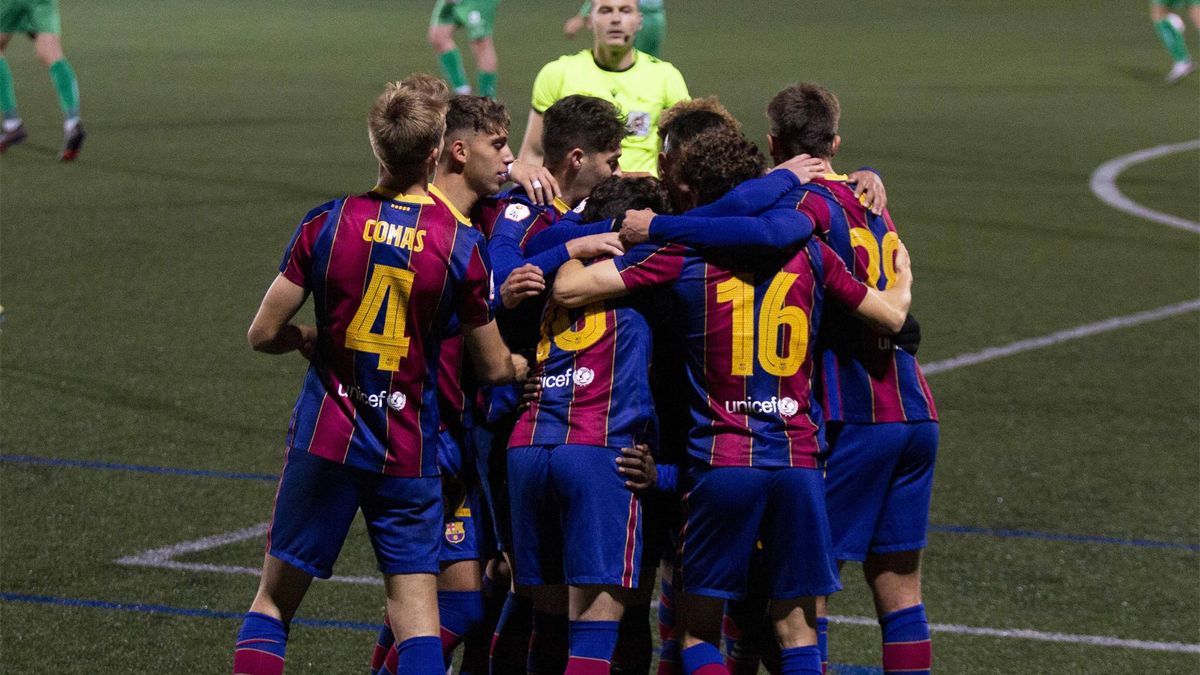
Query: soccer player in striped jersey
{"type": "Point", "coordinates": [749, 322]}
{"type": "Point", "coordinates": [882, 423]}
{"type": "Point", "coordinates": [387, 270]}
{"type": "Point", "coordinates": [473, 163]}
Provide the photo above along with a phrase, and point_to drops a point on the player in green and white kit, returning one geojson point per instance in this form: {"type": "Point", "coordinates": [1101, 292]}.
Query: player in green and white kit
{"type": "Point", "coordinates": [40, 20]}
{"type": "Point", "coordinates": [478, 17]}
{"type": "Point", "coordinates": [649, 39]}
{"type": "Point", "coordinates": [1165, 16]}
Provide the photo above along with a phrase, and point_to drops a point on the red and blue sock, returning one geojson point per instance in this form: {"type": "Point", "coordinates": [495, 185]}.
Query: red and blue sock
{"type": "Point", "coordinates": [261, 645]}
{"type": "Point", "coordinates": [461, 614]}
{"type": "Point", "coordinates": [800, 660]}
{"type": "Point", "coordinates": [823, 642]}
{"type": "Point", "coordinates": [420, 656]}
{"type": "Point", "coordinates": [510, 642]}
{"type": "Point", "coordinates": [668, 653]}
{"type": "Point", "coordinates": [592, 644]}
{"type": "Point", "coordinates": [548, 644]}
{"type": "Point", "coordinates": [906, 644]}
{"type": "Point", "coordinates": [703, 659]}
{"type": "Point", "coordinates": [383, 644]}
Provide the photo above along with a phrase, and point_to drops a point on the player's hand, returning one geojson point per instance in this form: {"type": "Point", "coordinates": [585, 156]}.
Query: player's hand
{"type": "Point", "coordinates": [537, 181]}
{"type": "Point", "coordinates": [531, 390]}
{"type": "Point", "coordinates": [635, 228]}
{"type": "Point", "coordinates": [524, 282]}
{"type": "Point", "coordinates": [595, 246]}
{"type": "Point", "coordinates": [868, 187]}
{"type": "Point", "coordinates": [520, 366]}
{"type": "Point", "coordinates": [805, 167]}
{"type": "Point", "coordinates": [574, 25]}
{"type": "Point", "coordinates": [308, 341]}
{"type": "Point", "coordinates": [903, 263]}
{"type": "Point", "coordinates": [636, 464]}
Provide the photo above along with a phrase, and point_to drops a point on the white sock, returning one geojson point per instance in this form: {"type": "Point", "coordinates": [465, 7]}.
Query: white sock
{"type": "Point", "coordinates": [70, 124]}
{"type": "Point", "coordinates": [465, 89]}
{"type": "Point", "coordinates": [11, 123]}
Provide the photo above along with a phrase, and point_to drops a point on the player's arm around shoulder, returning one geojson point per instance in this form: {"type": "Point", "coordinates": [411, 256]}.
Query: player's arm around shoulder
{"type": "Point", "coordinates": [271, 332]}
{"type": "Point", "coordinates": [577, 285]}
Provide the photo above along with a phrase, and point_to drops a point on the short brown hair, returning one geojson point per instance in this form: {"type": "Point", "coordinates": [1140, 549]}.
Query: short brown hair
{"type": "Point", "coordinates": [477, 114]}
{"type": "Point", "coordinates": [406, 123]}
{"type": "Point", "coordinates": [685, 119]}
{"type": "Point", "coordinates": [579, 121]}
{"type": "Point", "coordinates": [716, 160]}
{"type": "Point", "coordinates": [804, 119]}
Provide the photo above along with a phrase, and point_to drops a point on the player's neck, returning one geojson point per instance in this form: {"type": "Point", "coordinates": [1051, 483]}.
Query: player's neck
{"type": "Point", "coordinates": [571, 194]}
{"type": "Point", "coordinates": [454, 187]}
{"type": "Point", "coordinates": [400, 186]}
{"type": "Point", "coordinates": [615, 59]}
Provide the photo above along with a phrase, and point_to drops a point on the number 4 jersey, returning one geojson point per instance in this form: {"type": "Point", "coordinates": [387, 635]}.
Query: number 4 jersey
{"type": "Point", "coordinates": [386, 273]}
{"type": "Point", "coordinates": [748, 325]}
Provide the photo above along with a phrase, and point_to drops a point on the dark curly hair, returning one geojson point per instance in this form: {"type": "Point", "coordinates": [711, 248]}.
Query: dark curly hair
{"type": "Point", "coordinates": [804, 119]}
{"type": "Point", "coordinates": [687, 118]}
{"type": "Point", "coordinates": [578, 121]}
{"type": "Point", "coordinates": [477, 114]}
{"type": "Point", "coordinates": [616, 195]}
{"type": "Point", "coordinates": [716, 160]}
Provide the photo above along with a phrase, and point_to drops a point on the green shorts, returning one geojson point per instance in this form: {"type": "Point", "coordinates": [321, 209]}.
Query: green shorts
{"type": "Point", "coordinates": [477, 16]}
{"type": "Point", "coordinates": [29, 16]}
{"type": "Point", "coordinates": [1177, 5]}
{"type": "Point", "coordinates": [654, 30]}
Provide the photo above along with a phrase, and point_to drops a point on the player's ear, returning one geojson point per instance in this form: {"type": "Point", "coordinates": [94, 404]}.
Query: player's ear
{"type": "Point", "coordinates": [773, 148]}
{"type": "Point", "coordinates": [575, 158]}
{"type": "Point", "coordinates": [837, 144]}
{"type": "Point", "coordinates": [458, 150]}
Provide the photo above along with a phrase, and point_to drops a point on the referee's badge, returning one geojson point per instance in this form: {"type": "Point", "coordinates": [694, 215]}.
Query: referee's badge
{"type": "Point", "coordinates": [638, 124]}
{"type": "Point", "coordinates": [455, 532]}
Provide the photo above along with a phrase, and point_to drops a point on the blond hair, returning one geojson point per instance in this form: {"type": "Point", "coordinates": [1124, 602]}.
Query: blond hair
{"type": "Point", "coordinates": [406, 123]}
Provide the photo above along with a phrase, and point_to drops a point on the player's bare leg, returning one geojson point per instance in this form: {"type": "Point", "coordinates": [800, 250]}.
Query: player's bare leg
{"type": "Point", "coordinates": [487, 63]}
{"type": "Point", "coordinates": [280, 590]}
{"type": "Point", "coordinates": [795, 623]}
{"type": "Point", "coordinates": [895, 581]}
{"type": "Point", "coordinates": [13, 131]}
{"type": "Point", "coordinates": [50, 53]}
{"type": "Point", "coordinates": [441, 38]}
{"type": "Point", "coordinates": [460, 602]}
{"type": "Point", "coordinates": [699, 627]}
{"type": "Point", "coordinates": [413, 612]}
{"type": "Point", "coordinates": [262, 640]}
{"type": "Point", "coordinates": [595, 613]}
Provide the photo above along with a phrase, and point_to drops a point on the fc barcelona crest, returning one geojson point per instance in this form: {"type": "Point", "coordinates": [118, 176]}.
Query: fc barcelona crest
{"type": "Point", "coordinates": [455, 532]}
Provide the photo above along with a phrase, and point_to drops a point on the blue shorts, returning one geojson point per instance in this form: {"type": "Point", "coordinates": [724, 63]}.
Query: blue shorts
{"type": "Point", "coordinates": [465, 520]}
{"type": "Point", "coordinates": [878, 483]}
{"type": "Point", "coordinates": [574, 520]}
{"type": "Point", "coordinates": [729, 509]}
{"type": "Point", "coordinates": [491, 452]}
{"type": "Point", "coordinates": [316, 503]}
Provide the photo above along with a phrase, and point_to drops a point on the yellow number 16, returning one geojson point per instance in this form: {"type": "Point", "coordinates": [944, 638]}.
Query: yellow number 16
{"type": "Point", "coordinates": [777, 358]}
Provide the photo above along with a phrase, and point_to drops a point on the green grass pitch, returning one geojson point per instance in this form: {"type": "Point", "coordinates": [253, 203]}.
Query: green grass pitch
{"type": "Point", "coordinates": [129, 278]}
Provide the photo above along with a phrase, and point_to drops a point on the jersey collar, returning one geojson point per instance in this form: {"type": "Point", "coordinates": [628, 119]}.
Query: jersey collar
{"type": "Point", "coordinates": [433, 190]}
{"type": "Point", "coordinates": [836, 177]}
{"type": "Point", "coordinates": [400, 197]}
{"type": "Point", "coordinates": [561, 206]}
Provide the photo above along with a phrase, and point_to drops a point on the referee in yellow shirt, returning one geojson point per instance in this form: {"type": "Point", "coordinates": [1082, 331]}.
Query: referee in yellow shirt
{"type": "Point", "coordinates": [640, 85]}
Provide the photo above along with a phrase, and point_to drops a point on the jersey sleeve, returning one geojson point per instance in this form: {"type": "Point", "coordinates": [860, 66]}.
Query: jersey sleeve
{"type": "Point", "coordinates": [751, 197]}
{"type": "Point", "coordinates": [297, 257]}
{"type": "Point", "coordinates": [548, 86]}
{"type": "Point", "coordinates": [647, 265]}
{"type": "Point", "coordinates": [506, 246]}
{"type": "Point", "coordinates": [475, 304]}
{"type": "Point", "coordinates": [813, 205]}
{"type": "Point", "coordinates": [675, 89]}
{"type": "Point", "coordinates": [838, 282]}
{"type": "Point", "coordinates": [777, 229]}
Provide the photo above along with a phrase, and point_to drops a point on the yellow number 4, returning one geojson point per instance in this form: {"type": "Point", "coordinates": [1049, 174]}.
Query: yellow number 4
{"type": "Point", "coordinates": [388, 290]}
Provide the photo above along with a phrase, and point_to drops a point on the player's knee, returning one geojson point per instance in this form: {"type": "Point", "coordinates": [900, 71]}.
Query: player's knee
{"type": "Point", "coordinates": [441, 39]}
{"type": "Point", "coordinates": [49, 49]}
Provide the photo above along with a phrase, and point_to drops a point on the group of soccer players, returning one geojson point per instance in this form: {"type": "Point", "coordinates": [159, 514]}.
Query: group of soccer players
{"type": "Point", "coordinates": [546, 398]}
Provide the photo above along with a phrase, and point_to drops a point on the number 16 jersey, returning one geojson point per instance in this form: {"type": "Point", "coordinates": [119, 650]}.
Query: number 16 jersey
{"type": "Point", "coordinates": [386, 273]}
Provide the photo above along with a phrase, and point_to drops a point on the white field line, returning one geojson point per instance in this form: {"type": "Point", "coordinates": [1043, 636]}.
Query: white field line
{"type": "Point", "coordinates": [1104, 185]}
{"type": "Point", "coordinates": [1061, 336]}
{"type": "Point", "coordinates": [164, 558]}
{"type": "Point", "coordinates": [1026, 634]}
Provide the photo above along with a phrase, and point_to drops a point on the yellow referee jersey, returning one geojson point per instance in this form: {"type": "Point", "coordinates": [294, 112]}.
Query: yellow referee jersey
{"type": "Point", "coordinates": [641, 92]}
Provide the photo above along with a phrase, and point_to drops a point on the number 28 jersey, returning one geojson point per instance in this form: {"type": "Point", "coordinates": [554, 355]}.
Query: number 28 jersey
{"type": "Point", "coordinates": [748, 326]}
{"type": "Point", "coordinates": [387, 273]}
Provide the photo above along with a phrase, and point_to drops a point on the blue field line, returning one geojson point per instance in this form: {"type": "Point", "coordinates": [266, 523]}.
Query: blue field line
{"type": "Point", "coordinates": [142, 468]}
{"type": "Point", "coordinates": [143, 608]}
{"type": "Point", "coordinates": [1073, 538]}
{"type": "Point", "coordinates": [945, 529]}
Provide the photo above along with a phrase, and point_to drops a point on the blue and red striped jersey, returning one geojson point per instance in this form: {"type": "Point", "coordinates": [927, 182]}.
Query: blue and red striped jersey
{"type": "Point", "coordinates": [594, 363]}
{"type": "Point", "coordinates": [749, 324]}
{"type": "Point", "coordinates": [863, 377]}
{"type": "Point", "coordinates": [387, 273]}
